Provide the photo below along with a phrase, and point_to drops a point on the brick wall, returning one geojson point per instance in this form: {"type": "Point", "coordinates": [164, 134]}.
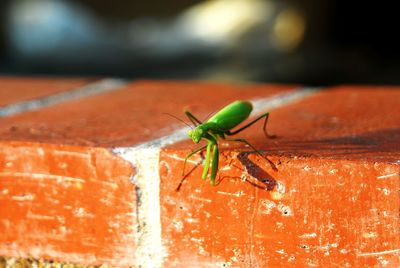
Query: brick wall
{"type": "Point", "coordinates": [89, 172]}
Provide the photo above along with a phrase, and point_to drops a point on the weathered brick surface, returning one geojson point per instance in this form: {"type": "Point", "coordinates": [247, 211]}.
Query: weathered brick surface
{"type": "Point", "coordinates": [333, 198]}
{"type": "Point", "coordinates": [61, 184]}
{"type": "Point", "coordinates": [66, 203]}
{"type": "Point", "coordinates": [311, 212]}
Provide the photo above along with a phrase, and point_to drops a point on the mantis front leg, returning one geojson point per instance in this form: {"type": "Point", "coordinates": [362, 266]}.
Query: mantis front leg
{"type": "Point", "coordinates": [214, 167]}
{"type": "Point", "coordinates": [189, 155]}
{"type": "Point", "coordinates": [207, 160]}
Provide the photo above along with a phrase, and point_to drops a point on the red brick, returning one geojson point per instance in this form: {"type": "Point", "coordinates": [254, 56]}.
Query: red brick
{"type": "Point", "coordinates": [333, 199]}
{"type": "Point", "coordinates": [70, 141]}
{"type": "Point", "coordinates": [16, 89]}
{"type": "Point", "coordinates": [66, 203]}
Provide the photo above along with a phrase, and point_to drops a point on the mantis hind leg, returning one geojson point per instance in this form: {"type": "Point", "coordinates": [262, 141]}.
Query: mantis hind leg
{"type": "Point", "coordinates": [266, 115]}
{"type": "Point", "coordinates": [192, 118]}
{"type": "Point", "coordinates": [189, 155]}
{"type": "Point", "coordinates": [254, 148]}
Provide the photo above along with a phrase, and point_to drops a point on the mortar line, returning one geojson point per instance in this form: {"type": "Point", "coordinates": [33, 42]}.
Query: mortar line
{"type": "Point", "coordinates": [144, 158]}
{"type": "Point", "coordinates": [98, 87]}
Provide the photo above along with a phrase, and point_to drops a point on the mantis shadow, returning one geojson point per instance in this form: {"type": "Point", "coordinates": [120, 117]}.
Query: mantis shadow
{"type": "Point", "coordinates": [262, 179]}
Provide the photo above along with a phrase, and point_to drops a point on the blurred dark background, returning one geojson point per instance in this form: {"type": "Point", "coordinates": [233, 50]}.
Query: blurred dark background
{"type": "Point", "coordinates": [312, 42]}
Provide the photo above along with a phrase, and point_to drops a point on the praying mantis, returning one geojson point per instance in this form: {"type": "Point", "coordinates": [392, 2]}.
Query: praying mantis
{"type": "Point", "coordinates": [217, 127]}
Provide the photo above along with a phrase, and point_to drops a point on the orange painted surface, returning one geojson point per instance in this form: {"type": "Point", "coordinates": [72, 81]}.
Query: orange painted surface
{"type": "Point", "coordinates": [333, 201]}
{"type": "Point", "coordinates": [66, 203]}
{"type": "Point", "coordinates": [15, 89]}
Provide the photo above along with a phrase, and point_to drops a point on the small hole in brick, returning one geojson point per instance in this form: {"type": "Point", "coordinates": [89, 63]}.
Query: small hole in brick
{"type": "Point", "coordinates": [285, 210]}
{"type": "Point", "coordinates": [304, 246]}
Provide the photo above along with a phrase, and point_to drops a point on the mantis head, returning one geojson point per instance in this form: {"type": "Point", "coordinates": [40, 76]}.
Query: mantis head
{"type": "Point", "coordinates": [196, 134]}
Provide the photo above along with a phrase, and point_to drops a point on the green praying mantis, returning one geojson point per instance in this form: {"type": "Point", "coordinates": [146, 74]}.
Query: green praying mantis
{"type": "Point", "coordinates": [217, 127]}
